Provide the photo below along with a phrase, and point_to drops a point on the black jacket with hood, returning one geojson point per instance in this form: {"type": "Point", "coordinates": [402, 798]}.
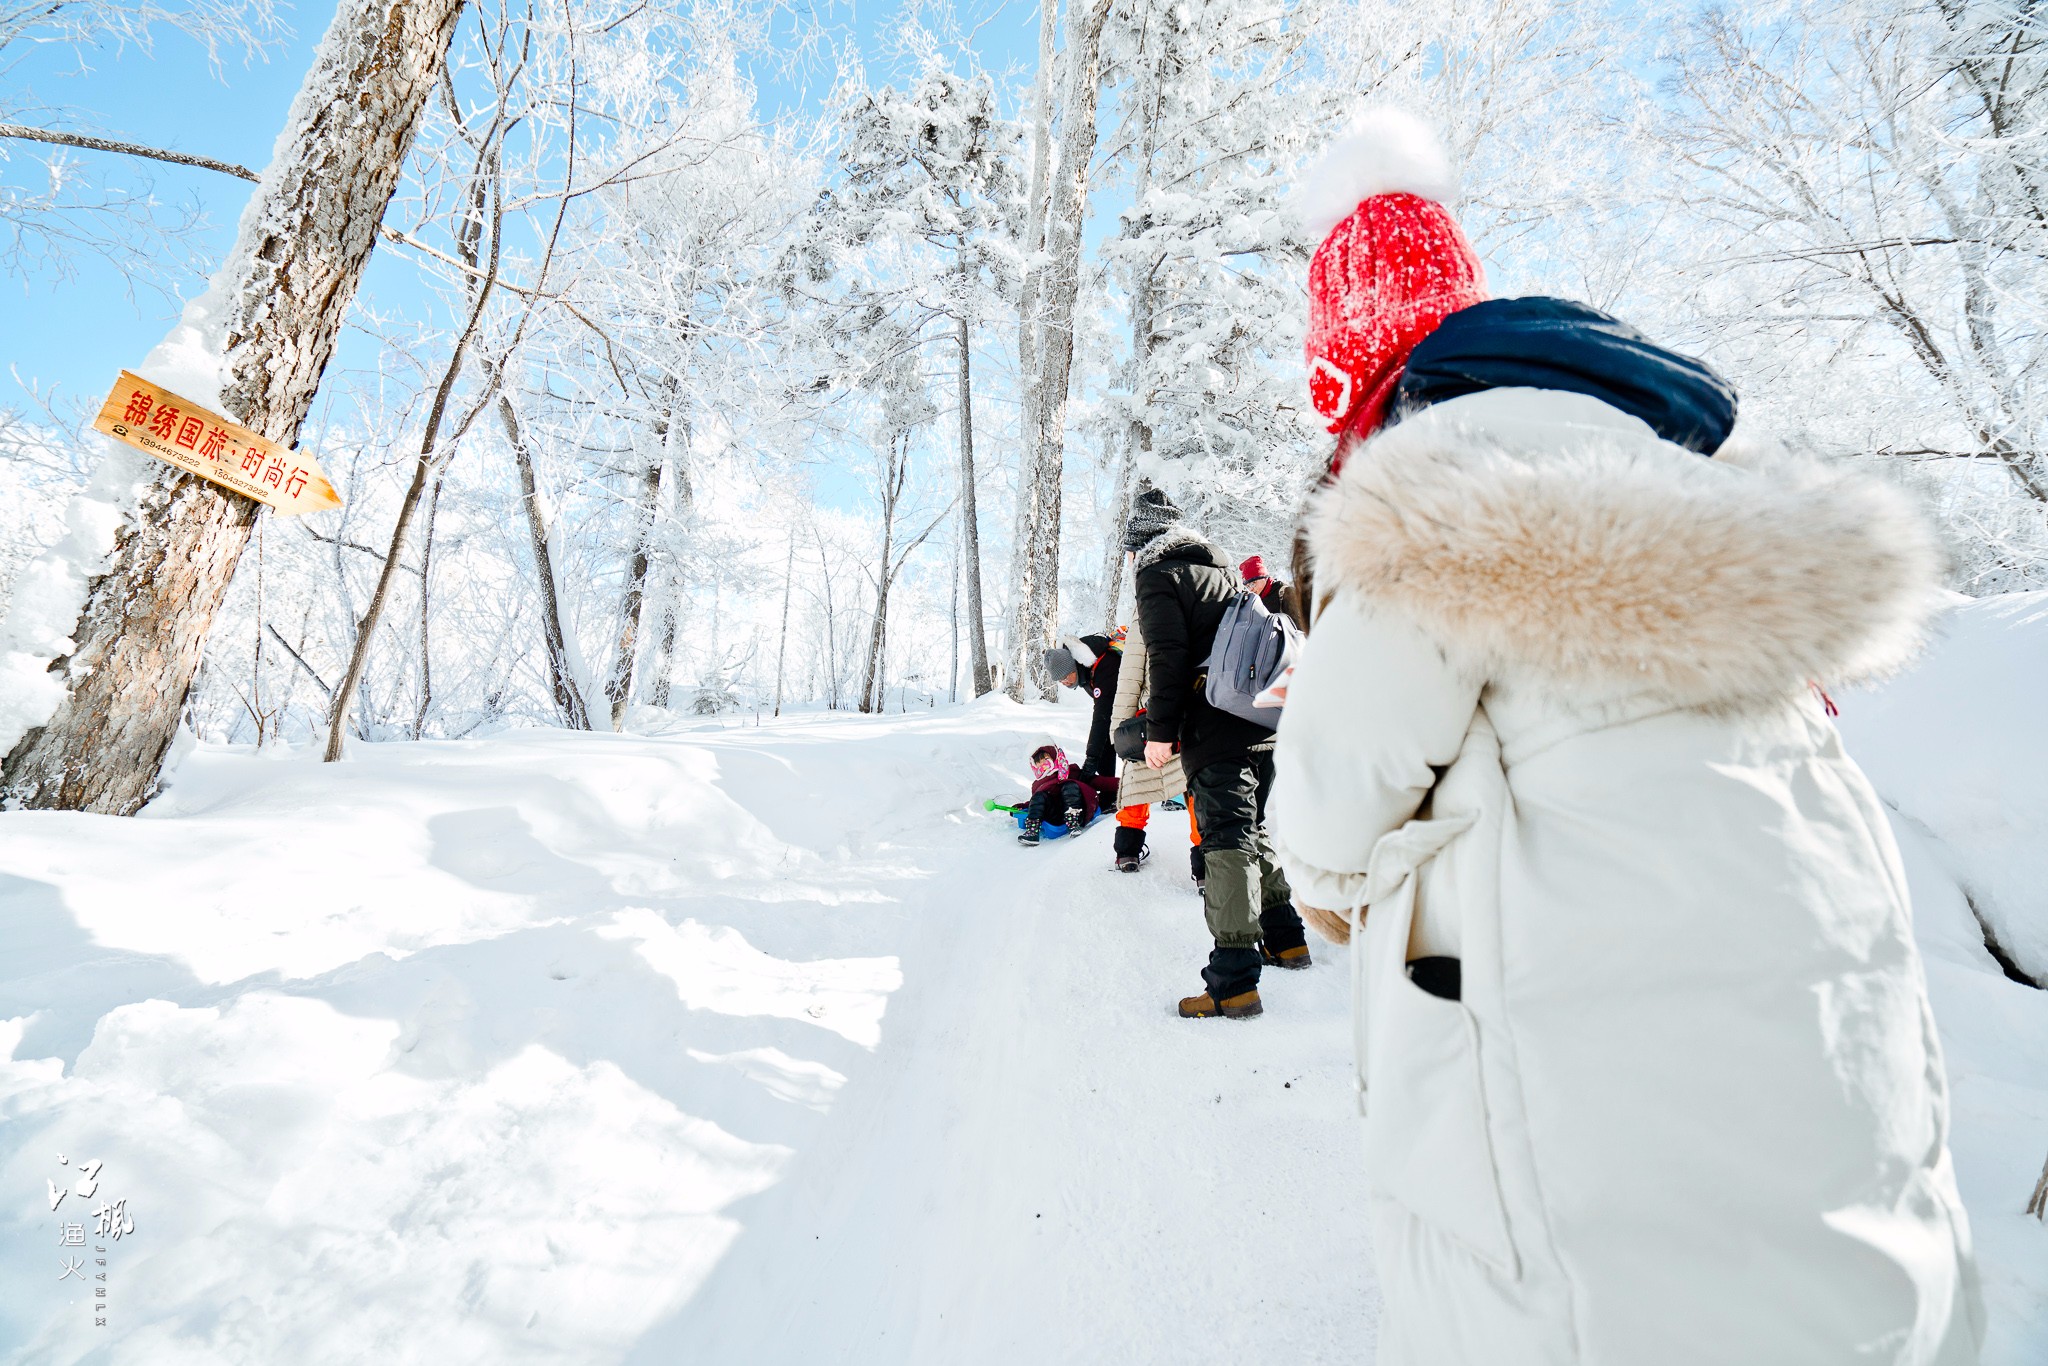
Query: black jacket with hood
{"type": "Point", "coordinates": [1098, 680]}
{"type": "Point", "coordinates": [1183, 585]}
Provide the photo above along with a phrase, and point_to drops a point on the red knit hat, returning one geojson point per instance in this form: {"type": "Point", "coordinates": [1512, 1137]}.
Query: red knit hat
{"type": "Point", "coordinates": [1254, 567]}
{"type": "Point", "coordinates": [1393, 263]}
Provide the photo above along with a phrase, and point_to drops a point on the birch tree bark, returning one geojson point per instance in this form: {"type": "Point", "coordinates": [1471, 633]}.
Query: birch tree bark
{"type": "Point", "coordinates": [1144, 296]}
{"type": "Point", "coordinates": [426, 700]}
{"type": "Point", "coordinates": [283, 293]}
{"type": "Point", "coordinates": [682, 500]}
{"type": "Point", "coordinates": [1036, 601]}
{"type": "Point", "coordinates": [782, 644]}
{"type": "Point", "coordinates": [567, 693]}
{"type": "Point", "coordinates": [893, 478]}
{"type": "Point", "coordinates": [1028, 310]}
{"type": "Point", "coordinates": [618, 688]}
{"type": "Point", "coordinates": [970, 527]}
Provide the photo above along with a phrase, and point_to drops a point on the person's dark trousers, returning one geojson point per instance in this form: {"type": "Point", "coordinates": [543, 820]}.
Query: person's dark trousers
{"type": "Point", "coordinates": [1070, 798]}
{"type": "Point", "coordinates": [1245, 895]}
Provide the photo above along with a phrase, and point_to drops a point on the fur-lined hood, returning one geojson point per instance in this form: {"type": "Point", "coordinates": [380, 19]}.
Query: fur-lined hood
{"type": "Point", "coordinates": [1546, 536]}
{"type": "Point", "coordinates": [1180, 538]}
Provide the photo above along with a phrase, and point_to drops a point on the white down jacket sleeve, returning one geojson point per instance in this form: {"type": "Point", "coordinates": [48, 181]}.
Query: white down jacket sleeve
{"type": "Point", "coordinates": [1374, 710]}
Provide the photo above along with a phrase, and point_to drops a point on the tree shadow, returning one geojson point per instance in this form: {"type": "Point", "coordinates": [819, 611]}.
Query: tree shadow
{"type": "Point", "coordinates": [66, 981]}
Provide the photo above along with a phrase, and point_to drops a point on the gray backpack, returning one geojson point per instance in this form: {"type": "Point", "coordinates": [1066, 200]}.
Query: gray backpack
{"type": "Point", "coordinates": [1253, 648]}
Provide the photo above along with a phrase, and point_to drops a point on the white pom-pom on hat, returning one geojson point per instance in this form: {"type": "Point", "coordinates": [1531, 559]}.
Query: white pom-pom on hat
{"type": "Point", "coordinates": [1383, 151]}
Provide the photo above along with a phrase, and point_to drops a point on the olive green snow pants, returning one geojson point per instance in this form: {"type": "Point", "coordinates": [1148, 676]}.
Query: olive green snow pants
{"type": "Point", "coordinates": [1245, 895]}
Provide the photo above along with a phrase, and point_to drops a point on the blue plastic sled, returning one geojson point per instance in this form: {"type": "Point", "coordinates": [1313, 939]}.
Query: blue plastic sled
{"type": "Point", "coordinates": [1046, 829]}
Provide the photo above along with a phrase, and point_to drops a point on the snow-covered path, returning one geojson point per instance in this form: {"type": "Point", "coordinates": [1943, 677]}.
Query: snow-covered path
{"type": "Point", "coordinates": [735, 1045]}
{"type": "Point", "coordinates": [1044, 1164]}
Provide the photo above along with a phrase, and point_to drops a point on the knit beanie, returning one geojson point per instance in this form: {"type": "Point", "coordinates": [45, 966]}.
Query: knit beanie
{"type": "Point", "coordinates": [1059, 662]}
{"type": "Point", "coordinates": [1393, 262]}
{"type": "Point", "coordinates": [1151, 513]}
{"type": "Point", "coordinates": [1254, 567]}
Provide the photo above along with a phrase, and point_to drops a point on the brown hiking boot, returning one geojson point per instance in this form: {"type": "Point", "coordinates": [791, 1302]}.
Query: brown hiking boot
{"type": "Point", "coordinates": [1242, 1006]}
{"type": "Point", "coordinates": [1293, 959]}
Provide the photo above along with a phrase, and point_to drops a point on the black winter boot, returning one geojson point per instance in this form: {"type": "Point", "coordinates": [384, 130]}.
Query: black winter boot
{"type": "Point", "coordinates": [1077, 816]}
{"type": "Point", "coordinates": [1130, 849]}
{"type": "Point", "coordinates": [1029, 834]}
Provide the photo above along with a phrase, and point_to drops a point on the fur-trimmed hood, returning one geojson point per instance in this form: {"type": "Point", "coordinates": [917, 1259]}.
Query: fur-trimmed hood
{"type": "Point", "coordinates": [1548, 537]}
{"type": "Point", "coordinates": [1181, 538]}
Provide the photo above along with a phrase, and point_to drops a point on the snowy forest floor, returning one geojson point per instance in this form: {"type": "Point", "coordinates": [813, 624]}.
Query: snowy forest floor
{"type": "Point", "coordinates": [747, 1044]}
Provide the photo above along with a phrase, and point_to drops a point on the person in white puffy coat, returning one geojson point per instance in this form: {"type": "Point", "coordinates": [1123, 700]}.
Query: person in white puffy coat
{"type": "Point", "coordinates": [1559, 718]}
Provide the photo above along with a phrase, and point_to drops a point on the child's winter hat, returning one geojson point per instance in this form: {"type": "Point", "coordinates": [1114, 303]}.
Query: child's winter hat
{"type": "Point", "coordinates": [1393, 263]}
{"type": "Point", "coordinates": [1048, 760]}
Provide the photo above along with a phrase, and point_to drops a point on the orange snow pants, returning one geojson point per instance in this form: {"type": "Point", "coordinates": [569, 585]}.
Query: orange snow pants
{"type": "Point", "coordinates": [1136, 817]}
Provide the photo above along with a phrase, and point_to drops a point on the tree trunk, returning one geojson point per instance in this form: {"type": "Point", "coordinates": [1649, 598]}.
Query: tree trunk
{"type": "Point", "coordinates": [1143, 295]}
{"type": "Point", "coordinates": [618, 688]}
{"type": "Point", "coordinates": [682, 497]}
{"type": "Point", "coordinates": [1028, 310]}
{"type": "Point", "coordinates": [568, 695]}
{"type": "Point", "coordinates": [831, 628]}
{"type": "Point", "coordinates": [970, 529]}
{"type": "Point", "coordinates": [256, 656]}
{"type": "Point", "coordinates": [1035, 610]}
{"type": "Point", "coordinates": [870, 683]}
{"type": "Point", "coordinates": [782, 646]}
{"type": "Point", "coordinates": [427, 465]}
{"type": "Point", "coordinates": [284, 291]}
{"type": "Point", "coordinates": [419, 716]}
{"type": "Point", "coordinates": [1113, 546]}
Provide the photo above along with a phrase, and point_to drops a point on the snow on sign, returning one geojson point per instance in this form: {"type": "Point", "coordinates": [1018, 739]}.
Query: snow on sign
{"type": "Point", "coordinates": [184, 434]}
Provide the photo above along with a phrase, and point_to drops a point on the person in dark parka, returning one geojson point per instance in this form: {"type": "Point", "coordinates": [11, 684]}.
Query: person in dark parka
{"type": "Point", "coordinates": [1183, 587]}
{"type": "Point", "coordinates": [1091, 663]}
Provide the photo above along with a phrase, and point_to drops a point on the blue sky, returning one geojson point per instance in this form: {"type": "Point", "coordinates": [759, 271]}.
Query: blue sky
{"type": "Point", "coordinates": [74, 334]}
{"type": "Point", "coordinates": [77, 333]}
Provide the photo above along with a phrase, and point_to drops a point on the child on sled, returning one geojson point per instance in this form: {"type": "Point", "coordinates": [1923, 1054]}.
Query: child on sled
{"type": "Point", "coordinates": [1058, 793]}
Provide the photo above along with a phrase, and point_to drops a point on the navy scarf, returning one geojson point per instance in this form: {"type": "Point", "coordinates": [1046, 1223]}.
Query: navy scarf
{"type": "Point", "coordinates": [1540, 343]}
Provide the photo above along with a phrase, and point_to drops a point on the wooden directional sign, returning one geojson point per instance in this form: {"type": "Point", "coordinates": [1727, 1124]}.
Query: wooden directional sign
{"type": "Point", "coordinates": [184, 434]}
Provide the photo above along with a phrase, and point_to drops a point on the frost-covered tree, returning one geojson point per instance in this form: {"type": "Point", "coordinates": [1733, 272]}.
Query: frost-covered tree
{"type": "Point", "coordinates": [1050, 293]}
{"type": "Point", "coordinates": [938, 164]}
{"type": "Point", "coordinates": [1869, 215]}
{"type": "Point", "coordinates": [1210, 402]}
{"type": "Point", "coordinates": [104, 635]}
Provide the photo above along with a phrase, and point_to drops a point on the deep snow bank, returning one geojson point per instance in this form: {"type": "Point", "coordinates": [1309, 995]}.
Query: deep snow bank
{"type": "Point", "coordinates": [1958, 749]}
{"type": "Point", "coordinates": [1959, 746]}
